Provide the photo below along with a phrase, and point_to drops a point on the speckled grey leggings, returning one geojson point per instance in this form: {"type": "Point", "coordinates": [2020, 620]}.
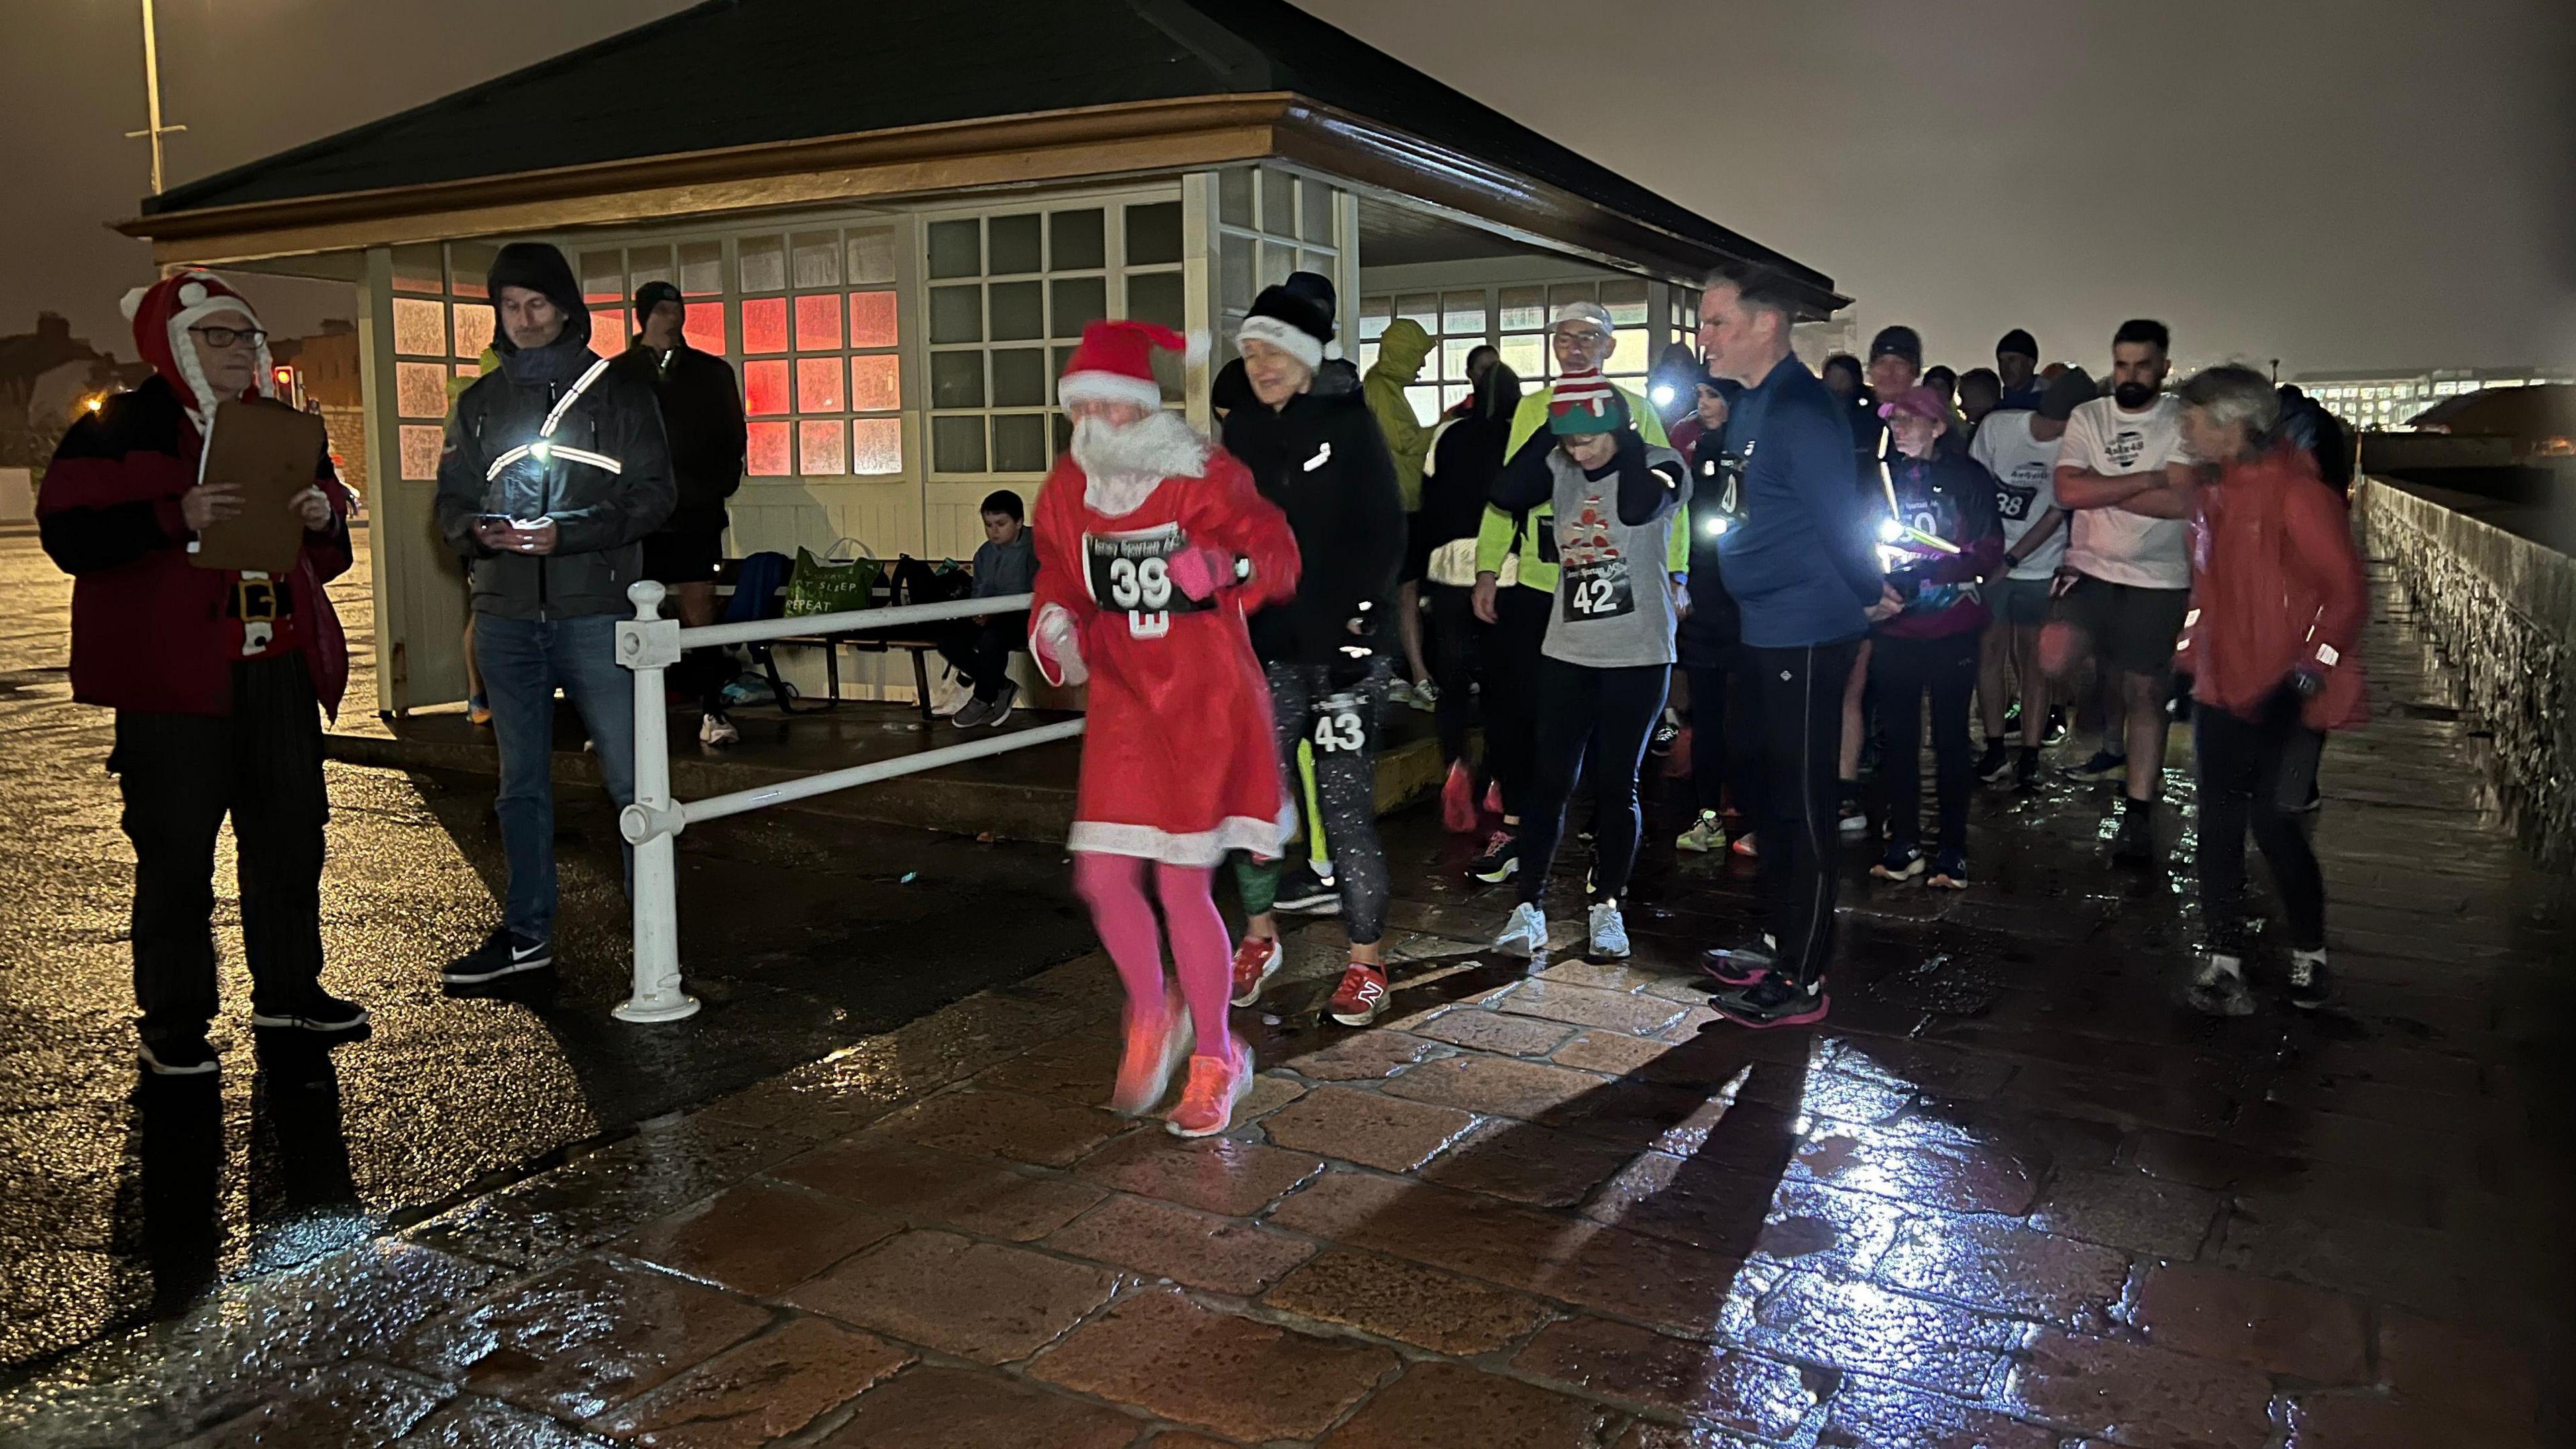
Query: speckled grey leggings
{"type": "Point", "coordinates": [1341, 723]}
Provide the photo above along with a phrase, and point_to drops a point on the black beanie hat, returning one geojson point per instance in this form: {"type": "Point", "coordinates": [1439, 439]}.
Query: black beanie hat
{"type": "Point", "coordinates": [1295, 316]}
{"type": "Point", "coordinates": [1900, 340]}
{"type": "Point", "coordinates": [543, 270]}
{"type": "Point", "coordinates": [652, 295]}
{"type": "Point", "coordinates": [2072, 390]}
{"type": "Point", "coordinates": [2018, 343]}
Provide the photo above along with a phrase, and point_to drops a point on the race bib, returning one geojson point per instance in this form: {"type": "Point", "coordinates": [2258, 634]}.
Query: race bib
{"type": "Point", "coordinates": [1131, 574]}
{"type": "Point", "coordinates": [1596, 591]}
{"type": "Point", "coordinates": [2014, 503]}
{"type": "Point", "coordinates": [1341, 725]}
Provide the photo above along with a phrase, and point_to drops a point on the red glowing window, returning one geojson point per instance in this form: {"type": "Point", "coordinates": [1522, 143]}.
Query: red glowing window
{"type": "Point", "coordinates": [875, 384]}
{"type": "Point", "coordinates": [872, 319]}
{"type": "Point", "coordinates": [608, 331]}
{"type": "Point", "coordinates": [823, 448]}
{"type": "Point", "coordinates": [764, 324]}
{"type": "Point", "coordinates": [764, 388]}
{"type": "Point", "coordinates": [818, 322]}
{"type": "Point", "coordinates": [818, 384]}
{"type": "Point", "coordinates": [767, 453]}
{"type": "Point", "coordinates": [705, 327]}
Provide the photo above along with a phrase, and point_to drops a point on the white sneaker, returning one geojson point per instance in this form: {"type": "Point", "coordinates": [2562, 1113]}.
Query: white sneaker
{"type": "Point", "coordinates": [2218, 987]}
{"type": "Point", "coordinates": [1707, 833]}
{"type": "Point", "coordinates": [1524, 935]}
{"type": "Point", "coordinates": [1426, 696]}
{"type": "Point", "coordinates": [1609, 933]}
{"type": "Point", "coordinates": [716, 729]}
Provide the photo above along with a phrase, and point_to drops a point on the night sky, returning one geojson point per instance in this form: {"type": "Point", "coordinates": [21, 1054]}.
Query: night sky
{"type": "Point", "coordinates": [2388, 190]}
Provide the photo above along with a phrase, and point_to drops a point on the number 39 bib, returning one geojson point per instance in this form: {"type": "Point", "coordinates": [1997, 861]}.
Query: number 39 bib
{"type": "Point", "coordinates": [1596, 590]}
{"type": "Point", "coordinates": [1131, 575]}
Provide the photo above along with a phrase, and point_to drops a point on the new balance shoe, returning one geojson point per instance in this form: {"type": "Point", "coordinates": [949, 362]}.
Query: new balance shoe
{"type": "Point", "coordinates": [1360, 996]}
{"type": "Point", "coordinates": [1425, 696]}
{"type": "Point", "coordinates": [2056, 733]}
{"type": "Point", "coordinates": [1215, 1084]}
{"type": "Point", "coordinates": [1743, 845]}
{"type": "Point", "coordinates": [1772, 1002]}
{"type": "Point", "coordinates": [1903, 861]}
{"type": "Point", "coordinates": [1158, 1041]}
{"type": "Point", "coordinates": [1255, 962]}
{"type": "Point", "coordinates": [2102, 766]}
{"type": "Point", "coordinates": [1524, 935]}
{"type": "Point", "coordinates": [2311, 982]}
{"type": "Point", "coordinates": [176, 1055]}
{"type": "Point", "coordinates": [1995, 763]}
{"type": "Point", "coordinates": [1949, 871]}
{"type": "Point", "coordinates": [1606, 934]}
{"type": "Point", "coordinates": [1305, 890]}
{"type": "Point", "coordinates": [316, 1011]}
{"type": "Point", "coordinates": [503, 953]}
{"type": "Point", "coordinates": [1707, 833]}
{"type": "Point", "coordinates": [1458, 799]}
{"type": "Point", "coordinates": [1499, 861]}
{"type": "Point", "coordinates": [1738, 967]}
{"type": "Point", "coordinates": [2218, 987]}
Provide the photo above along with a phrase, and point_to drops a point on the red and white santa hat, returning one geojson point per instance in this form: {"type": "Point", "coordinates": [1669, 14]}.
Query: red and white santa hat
{"type": "Point", "coordinates": [162, 314]}
{"type": "Point", "coordinates": [1115, 363]}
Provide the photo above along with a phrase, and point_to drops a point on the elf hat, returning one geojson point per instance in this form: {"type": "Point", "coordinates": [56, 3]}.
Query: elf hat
{"type": "Point", "coordinates": [1115, 363]}
{"type": "Point", "coordinates": [1295, 316]}
{"type": "Point", "coordinates": [1585, 402]}
{"type": "Point", "coordinates": [162, 314]}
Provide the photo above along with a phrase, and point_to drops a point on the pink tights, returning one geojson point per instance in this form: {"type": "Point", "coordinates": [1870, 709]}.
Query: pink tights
{"type": "Point", "coordinates": [1202, 956]}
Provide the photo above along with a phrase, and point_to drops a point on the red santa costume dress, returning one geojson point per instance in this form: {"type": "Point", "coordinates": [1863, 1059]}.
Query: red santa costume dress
{"type": "Point", "coordinates": [1152, 546]}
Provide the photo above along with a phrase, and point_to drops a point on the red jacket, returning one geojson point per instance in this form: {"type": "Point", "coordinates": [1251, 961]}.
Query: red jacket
{"type": "Point", "coordinates": [150, 631]}
{"type": "Point", "coordinates": [2276, 586]}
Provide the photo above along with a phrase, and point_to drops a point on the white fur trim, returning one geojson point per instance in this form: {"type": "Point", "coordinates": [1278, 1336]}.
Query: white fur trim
{"type": "Point", "coordinates": [132, 301]}
{"type": "Point", "coordinates": [183, 350]}
{"type": "Point", "coordinates": [1304, 346]}
{"type": "Point", "coordinates": [1203, 848]}
{"type": "Point", "coordinates": [1110, 387]}
{"type": "Point", "coordinates": [1194, 352]}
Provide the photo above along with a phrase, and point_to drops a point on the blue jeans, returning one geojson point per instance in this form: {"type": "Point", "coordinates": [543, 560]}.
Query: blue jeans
{"type": "Point", "coordinates": [523, 662]}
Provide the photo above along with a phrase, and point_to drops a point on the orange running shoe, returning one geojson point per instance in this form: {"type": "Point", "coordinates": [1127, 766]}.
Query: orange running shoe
{"type": "Point", "coordinates": [1361, 996]}
{"type": "Point", "coordinates": [1215, 1085]}
{"type": "Point", "coordinates": [1156, 1043]}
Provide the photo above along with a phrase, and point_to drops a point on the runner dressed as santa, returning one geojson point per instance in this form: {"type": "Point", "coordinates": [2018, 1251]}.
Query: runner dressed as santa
{"type": "Point", "coordinates": [1152, 547]}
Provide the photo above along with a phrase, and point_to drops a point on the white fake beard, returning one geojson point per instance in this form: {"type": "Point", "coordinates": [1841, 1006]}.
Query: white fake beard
{"type": "Point", "coordinates": [1122, 467]}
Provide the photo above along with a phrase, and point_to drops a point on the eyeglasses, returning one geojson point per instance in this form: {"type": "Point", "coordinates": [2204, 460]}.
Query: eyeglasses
{"type": "Point", "coordinates": [220, 337]}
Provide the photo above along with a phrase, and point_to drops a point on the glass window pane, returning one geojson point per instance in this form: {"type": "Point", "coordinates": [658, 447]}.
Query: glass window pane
{"type": "Point", "coordinates": [957, 314]}
{"type": "Point", "coordinates": [1157, 297]}
{"type": "Point", "coordinates": [1526, 355]}
{"type": "Point", "coordinates": [957, 248]}
{"type": "Point", "coordinates": [1234, 265]}
{"type": "Point", "coordinates": [1077, 241]}
{"type": "Point", "coordinates": [1315, 212]}
{"type": "Point", "coordinates": [1011, 245]}
{"type": "Point", "coordinates": [420, 449]}
{"type": "Point", "coordinates": [608, 331]}
{"type": "Point", "coordinates": [818, 259]}
{"type": "Point", "coordinates": [764, 388]}
{"type": "Point", "coordinates": [420, 389]}
{"type": "Point", "coordinates": [818, 385]}
{"type": "Point", "coordinates": [1310, 260]}
{"type": "Point", "coordinates": [1426, 404]}
{"type": "Point", "coordinates": [871, 256]}
{"type": "Point", "coordinates": [603, 276]}
{"type": "Point", "coordinates": [420, 327]}
{"type": "Point", "coordinates": [1453, 357]}
{"type": "Point", "coordinates": [1422, 307]}
{"type": "Point", "coordinates": [473, 323]}
{"type": "Point", "coordinates": [646, 264]}
{"type": "Point", "coordinates": [818, 322]}
{"type": "Point", "coordinates": [418, 268]}
{"type": "Point", "coordinates": [872, 319]}
{"type": "Point", "coordinates": [703, 324]}
{"type": "Point", "coordinates": [1019, 377]}
{"type": "Point", "coordinates": [1075, 301]}
{"type": "Point", "coordinates": [1057, 358]}
{"type": "Point", "coordinates": [1277, 261]}
{"type": "Point", "coordinates": [957, 445]}
{"type": "Point", "coordinates": [876, 446]}
{"type": "Point", "coordinates": [1234, 196]}
{"type": "Point", "coordinates": [1020, 443]}
{"type": "Point", "coordinates": [1626, 300]}
{"type": "Point", "coordinates": [876, 383]}
{"type": "Point", "coordinates": [823, 448]}
{"type": "Point", "coordinates": [765, 451]}
{"type": "Point", "coordinates": [1171, 373]}
{"type": "Point", "coordinates": [1368, 357]}
{"type": "Point", "coordinates": [701, 268]}
{"type": "Point", "coordinates": [1452, 394]}
{"type": "Point", "coordinates": [1063, 432]}
{"type": "Point", "coordinates": [764, 263]}
{"type": "Point", "coordinates": [1278, 204]}
{"type": "Point", "coordinates": [1018, 311]}
{"type": "Point", "coordinates": [1375, 313]}
{"type": "Point", "coordinates": [1153, 233]}
{"type": "Point", "coordinates": [1462, 314]}
{"type": "Point", "coordinates": [957, 379]}
{"type": "Point", "coordinates": [1523, 308]}
{"type": "Point", "coordinates": [1564, 292]}
{"type": "Point", "coordinates": [1633, 356]}
{"type": "Point", "coordinates": [469, 264]}
{"type": "Point", "coordinates": [764, 324]}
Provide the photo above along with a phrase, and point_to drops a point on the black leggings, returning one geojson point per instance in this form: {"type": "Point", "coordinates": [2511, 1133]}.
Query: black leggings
{"type": "Point", "coordinates": [1902, 672]}
{"type": "Point", "coordinates": [2257, 772]}
{"type": "Point", "coordinates": [1726, 736]}
{"type": "Point", "coordinates": [1510, 670]}
{"type": "Point", "coordinates": [1341, 723]}
{"type": "Point", "coordinates": [1607, 713]}
{"type": "Point", "coordinates": [1456, 633]}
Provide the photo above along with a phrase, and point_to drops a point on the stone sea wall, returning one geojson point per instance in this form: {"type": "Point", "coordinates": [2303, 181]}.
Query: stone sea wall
{"type": "Point", "coordinates": [2503, 611]}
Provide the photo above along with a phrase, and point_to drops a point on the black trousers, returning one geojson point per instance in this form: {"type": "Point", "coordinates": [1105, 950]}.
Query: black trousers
{"type": "Point", "coordinates": [1726, 735]}
{"type": "Point", "coordinates": [180, 774]}
{"type": "Point", "coordinates": [1605, 714]}
{"type": "Point", "coordinates": [1457, 636]}
{"type": "Point", "coordinates": [2257, 773]}
{"type": "Point", "coordinates": [1901, 673]}
{"type": "Point", "coordinates": [981, 650]}
{"type": "Point", "coordinates": [1511, 691]}
{"type": "Point", "coordinates": [1802, 724]}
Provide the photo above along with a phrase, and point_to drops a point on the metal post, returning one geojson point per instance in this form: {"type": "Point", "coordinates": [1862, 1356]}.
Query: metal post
{"type": "Point", "coordinates": [649, 645]}
{"type": "Point", "coordinates": [152, 96]}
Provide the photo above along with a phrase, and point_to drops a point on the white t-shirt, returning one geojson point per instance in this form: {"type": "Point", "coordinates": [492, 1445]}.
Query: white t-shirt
{"type": "Point", "coordinates": [2113, 544]}
{"type": "Point", "coordinates": [2025, 474]}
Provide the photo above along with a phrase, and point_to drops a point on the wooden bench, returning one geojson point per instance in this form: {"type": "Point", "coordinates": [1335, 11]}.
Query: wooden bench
{"type": "Point", "coordinates": [831, 642]}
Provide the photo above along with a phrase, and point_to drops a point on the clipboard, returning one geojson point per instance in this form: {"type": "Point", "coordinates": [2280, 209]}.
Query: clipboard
{"type": "Point", "coordinates": [271, 452]}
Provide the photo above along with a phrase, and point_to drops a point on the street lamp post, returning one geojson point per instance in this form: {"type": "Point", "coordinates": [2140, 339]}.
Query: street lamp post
{"type": "Point", "coordinates": [152, 97]}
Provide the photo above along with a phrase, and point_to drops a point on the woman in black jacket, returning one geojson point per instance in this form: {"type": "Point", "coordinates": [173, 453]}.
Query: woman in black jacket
{"type": "Point", "coordinates": [1315, 450]}
{"type": "Point", "coordinates": [1465, 455]}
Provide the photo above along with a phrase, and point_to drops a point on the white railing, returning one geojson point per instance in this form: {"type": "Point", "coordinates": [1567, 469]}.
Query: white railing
{"type": "Point", "coordinates": [649, 644]}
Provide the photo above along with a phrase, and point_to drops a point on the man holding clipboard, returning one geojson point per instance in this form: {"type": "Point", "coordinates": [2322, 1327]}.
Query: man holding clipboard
{"type": "Point", "coordinates": [198, 615]}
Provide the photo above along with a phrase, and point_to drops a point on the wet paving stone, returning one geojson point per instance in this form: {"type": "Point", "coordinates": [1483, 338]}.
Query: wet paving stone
{"type": "Point", "coordinates": [2006, 1268]}
{"type": "Point", "coordinates": [945, 1408]}
{"type": "Point", "coordinates": [2127, 1210]}
{"type": "Point", "coordinates": [1590, 1006]}
{"type": "Point", "coordinates": [1868, 1413]}
{"type": "Point", "coordinates": [1536, 1165]}
{"type": "Point", "coordinates": [1220, 1175]}
{"type": "Point", "coordinates": [2479, 1369]}
{"type": "Point", "coordinates": [923, 1185]}
{"type": "Point", "coordinates": [1863, 1328]}
{"type": "Point", "coordinates": [1485, 1030]}
{"type": "Point", "coordinates": [360, 1406]}
{"type": "Point", "coordinates": [1404, 1301]}
{"type": "Point", "coordinates": [1189, 1247]}
{"type": "Point", "coordinates": [1924, 1163]}
{"type": "Point", "coordinates": [1245, 1379]}
{"type": "Point", "coordinates": [1619, 1361]}
{"type": "Point", "coordinates": [467, 1422]}
{"type": "Point", "coordinates": [1448, 1406]}
{"type": "Point", "coordinates": [984, 1301]}
{"type": "Point", "coordinates": [1369, 1128]}
{"type": "Point", "coordinates": [2374, 1421]}
{"type": "Point", "coordinates": [769, 1388]}
{"type": "Point", "coordinates": [1497, 1086]}
{"type": "Point", "coordinates": [2283, 1328]}
{"type": "Point", "coordinates": [761, 1238]}
{"type": "Point", "coordinates": [1042, 1130]}
{"type": "Point", "coordinates": [1364, 1057]}
{"type": "Point", "coordinates": [2134, 1394]}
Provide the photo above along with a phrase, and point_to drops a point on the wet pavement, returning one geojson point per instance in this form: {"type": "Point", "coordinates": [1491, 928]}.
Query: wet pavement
{"type": "Point", "coordinates": [2012, 1194]}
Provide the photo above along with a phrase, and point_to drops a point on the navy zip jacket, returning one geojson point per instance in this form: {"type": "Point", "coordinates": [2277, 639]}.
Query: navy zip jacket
{"type": "Point", "coordinates": [1802, 564]}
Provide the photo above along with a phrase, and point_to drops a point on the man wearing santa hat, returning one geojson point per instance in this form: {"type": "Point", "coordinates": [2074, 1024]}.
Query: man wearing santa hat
{"type": "Point", "coordinates": [214, 674]}
{"type": "Point", "coordinates": [1153, 546]}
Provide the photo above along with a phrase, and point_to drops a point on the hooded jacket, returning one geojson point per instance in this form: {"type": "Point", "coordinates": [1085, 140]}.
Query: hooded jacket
{"type": "Point", "coordinates": [1399, 361]}
{"type": "Point", "coordinates": [702, 419]}
{"type": "Point", "coordinates": [604, 476]}
{"type": "Point", "coordinates": [1322, 460]}
{"type": "Point", "coordinates": [2276, 586]}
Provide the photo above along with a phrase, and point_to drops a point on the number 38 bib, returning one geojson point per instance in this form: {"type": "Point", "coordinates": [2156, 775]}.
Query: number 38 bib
{"type": "Point", "coordinates": [1131, 575]}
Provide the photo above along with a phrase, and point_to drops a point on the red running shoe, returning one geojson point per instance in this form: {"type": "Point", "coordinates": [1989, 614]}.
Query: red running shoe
{"type": "Point", "coordinates": [1494, 797]}
{"type": "Point", "coordinates": [1215, 1085]}
{"type": "Point", "coordinates": [1458, 800]}
{"type": "Point", "coordinates": [1361, 996]}
{"type": "Point", "coordinates": [1255, 962]}
{"type": "Point", "coordinates": [1157, 1041]}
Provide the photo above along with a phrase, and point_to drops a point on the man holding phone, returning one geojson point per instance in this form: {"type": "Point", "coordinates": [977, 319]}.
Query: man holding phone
{"type": "Point", "coordinates": [555, 470]}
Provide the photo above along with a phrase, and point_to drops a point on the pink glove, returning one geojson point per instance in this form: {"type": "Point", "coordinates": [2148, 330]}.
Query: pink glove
{"type": "Point", "coordinates": [1199, 572]}
{"type": "Point", "coordinates": [1058, 647]}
